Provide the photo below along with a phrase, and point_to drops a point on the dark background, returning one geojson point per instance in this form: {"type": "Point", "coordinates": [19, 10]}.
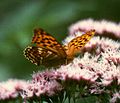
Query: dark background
{"type": "Point", "coordinates": [18, 18]}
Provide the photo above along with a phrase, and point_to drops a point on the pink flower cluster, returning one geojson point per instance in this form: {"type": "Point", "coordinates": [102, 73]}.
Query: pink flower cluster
{"type": "Point", "coordinates": [10, 89]}
{"type": "Point", "coordinates": [99, 65]}
{"type": "Point", "coordinates": [100, 27]}
{"type": "Point", "coordinates": [115, 97]}
{"type": "Point", "coordinates": [43, 83]}
{"type": "Point", "coordinates": [103, 66]}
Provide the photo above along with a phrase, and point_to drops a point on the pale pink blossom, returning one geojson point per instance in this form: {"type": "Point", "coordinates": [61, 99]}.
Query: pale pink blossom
{"type": "Point", "coordinates": [115, 97]}
{"type": "Point", "coordinates": [10, 89]}
{"type": "Point", "coordinates": [101, 27]}
{"type": "Point", "coordinates": [91, 68]}
{"type": "Point", "coordinates": [43, 83]}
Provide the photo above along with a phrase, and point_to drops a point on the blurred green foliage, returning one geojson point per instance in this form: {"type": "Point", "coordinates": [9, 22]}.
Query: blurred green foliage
{"type": "Point", "coordinates": [18, 18]}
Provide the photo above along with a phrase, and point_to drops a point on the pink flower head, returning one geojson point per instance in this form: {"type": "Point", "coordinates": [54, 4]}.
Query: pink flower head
{"type": "Point", "coordinates": [10, 89]}
{"type": "Point", "coordinates": [115, 97]}
{"type": "Point", "coordinates": [100, 26]}
{"type": "Point", "coordinates": [43, 83]}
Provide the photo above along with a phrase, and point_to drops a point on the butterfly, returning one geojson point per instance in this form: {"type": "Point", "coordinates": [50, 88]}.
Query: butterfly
{"type": "Point", "coordinates": [46, 50]}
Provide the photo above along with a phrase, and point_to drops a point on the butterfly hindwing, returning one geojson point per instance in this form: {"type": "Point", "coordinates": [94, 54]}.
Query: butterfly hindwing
{"type": "Point", "coordinates": [42, 56]}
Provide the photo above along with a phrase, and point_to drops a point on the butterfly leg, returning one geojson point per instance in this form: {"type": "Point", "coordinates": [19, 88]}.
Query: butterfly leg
{"type": "Point", "coordinates": [66, 61]}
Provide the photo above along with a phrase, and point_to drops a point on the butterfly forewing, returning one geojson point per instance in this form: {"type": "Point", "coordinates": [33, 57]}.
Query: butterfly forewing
{"type": "Point", "coordinates": [45, 40]}
{"type": "Point", "coordinates": [77, 43]}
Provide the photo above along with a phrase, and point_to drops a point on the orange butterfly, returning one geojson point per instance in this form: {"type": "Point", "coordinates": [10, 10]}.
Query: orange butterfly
{"type": "Point", "coordinates": [45, 49]}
